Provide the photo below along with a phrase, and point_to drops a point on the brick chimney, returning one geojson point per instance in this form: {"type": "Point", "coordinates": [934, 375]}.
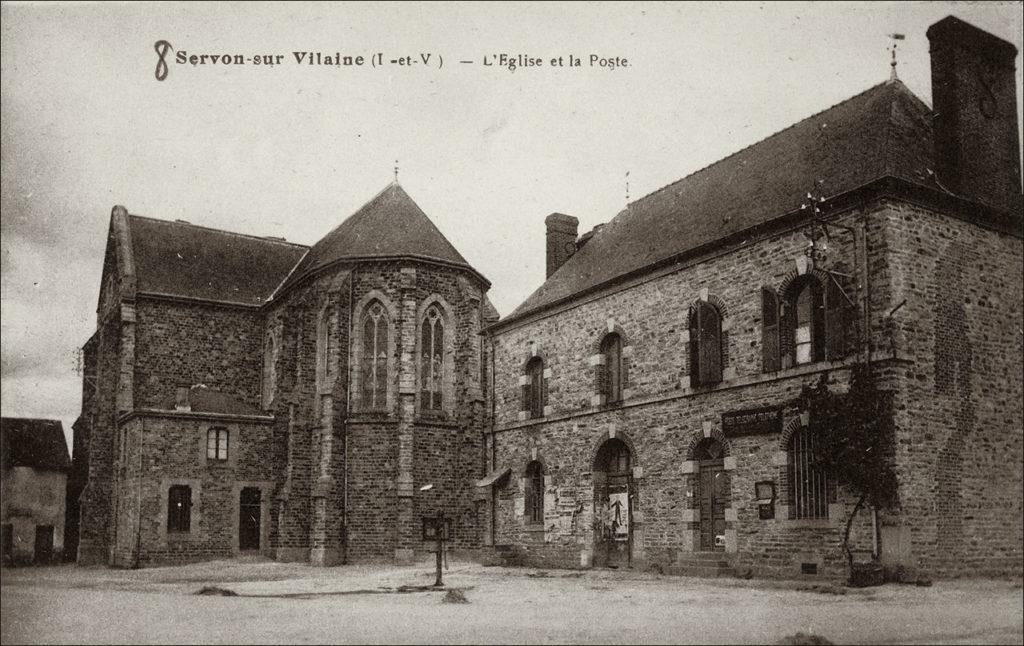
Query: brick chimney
{"type": "Point", "coordinates": [977, 147]}
{"type": "Point", "coordinates": [561, 239]}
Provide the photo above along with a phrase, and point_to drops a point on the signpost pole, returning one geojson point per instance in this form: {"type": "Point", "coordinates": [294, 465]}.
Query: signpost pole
{"type": "Point", "coordinates": [440, 546]}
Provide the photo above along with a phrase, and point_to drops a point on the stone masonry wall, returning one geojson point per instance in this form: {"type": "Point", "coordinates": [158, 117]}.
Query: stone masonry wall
{"type": "Point", "coordinates": [173, 451]}
{"type": "Point", "coordinates": [959, 416]}
{"type": "Point", "coordinates": [185, 344]}
{"type": "Point", "coordinates": [664, 418]}
{"type": "Point", "coordinates": [381, 446]}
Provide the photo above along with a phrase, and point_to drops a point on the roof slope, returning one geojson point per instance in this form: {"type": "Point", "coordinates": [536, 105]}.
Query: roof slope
{"type": "Point", "coordinates": [388, 226]}
{"type": "Point", "coordinates": [883, 131]}
{"type": "Point", "coordinates": [182, 259]}
{"type": "Point", "coordinates": [37, 443]}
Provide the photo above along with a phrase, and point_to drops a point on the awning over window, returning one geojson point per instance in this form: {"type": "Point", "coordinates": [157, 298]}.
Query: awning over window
{"type": "Point", "coordinates": [494, 478]}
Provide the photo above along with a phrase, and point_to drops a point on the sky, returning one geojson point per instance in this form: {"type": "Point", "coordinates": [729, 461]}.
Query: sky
{"type": "Point", "coordinates": [291, 149]}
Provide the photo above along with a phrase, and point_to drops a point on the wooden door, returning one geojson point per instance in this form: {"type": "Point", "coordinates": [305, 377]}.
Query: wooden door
{"type": "Point", "coordinates": [714, 498]}
{"type": "Point", "coordinates": [44, 544]}
{"type": "Point", "coordinates": [249, 509]}
{"type": "Point", "coordinates": [619, 542]}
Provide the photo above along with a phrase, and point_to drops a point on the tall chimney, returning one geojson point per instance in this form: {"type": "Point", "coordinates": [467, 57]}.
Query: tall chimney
{"type": "Point", "coordinates": [977, 148]}
{"type": "Point", "coordinates": [561, 239]}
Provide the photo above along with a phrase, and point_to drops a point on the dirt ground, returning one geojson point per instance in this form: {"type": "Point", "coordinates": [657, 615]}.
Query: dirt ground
{"type": "Point", "coordinates": [295, 603]}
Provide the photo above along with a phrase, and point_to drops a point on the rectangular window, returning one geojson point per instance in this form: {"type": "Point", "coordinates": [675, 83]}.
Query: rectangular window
{"type": "Point", "coordinates": [217, 444]}
{"type": "Point", "coordinates": [179, 508]}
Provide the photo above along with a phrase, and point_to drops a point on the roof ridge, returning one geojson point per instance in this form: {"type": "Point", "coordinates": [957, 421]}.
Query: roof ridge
{"type": "Point", "coordinates": [31, 419]}
{"type": "Point", "coordinates": [361, 208]}
{"type": "Point", "coordinates": [272, 240]}
{"type": "Point", "coordinates": [758, 142]}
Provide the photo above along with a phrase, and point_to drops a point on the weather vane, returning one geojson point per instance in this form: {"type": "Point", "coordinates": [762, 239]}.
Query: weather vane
{"type": "Point", "coordinates": [895, 38]}
{"type": "Point", "coordinates": [627, 188]}
{"type": "Point", "coordinates": [396, 171]}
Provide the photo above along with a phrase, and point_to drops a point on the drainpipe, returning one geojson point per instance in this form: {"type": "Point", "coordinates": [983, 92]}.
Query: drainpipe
{"type": "Point", "coordinates": [138, 515]}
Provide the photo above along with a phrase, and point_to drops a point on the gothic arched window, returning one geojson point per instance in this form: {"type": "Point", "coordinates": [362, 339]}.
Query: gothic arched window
{"type": "Point", "coordinates": [432, 359]}
{"type": "Point", "coordinates": [374, 368]}
{"type": "Point", "coordinates": [269, 370]}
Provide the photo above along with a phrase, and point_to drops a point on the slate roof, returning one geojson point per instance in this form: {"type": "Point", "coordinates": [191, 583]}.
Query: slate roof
{"type": "Point", "coordinates": [388, 226]}
{"type": "Point", "coordinates": [208, 400]}
{"type": "Point", "coordinates": [182, 259]}
{"type": "Point", "coordinates": [37, 443]}
{"type": "Point", "coordinates": [884, 131]}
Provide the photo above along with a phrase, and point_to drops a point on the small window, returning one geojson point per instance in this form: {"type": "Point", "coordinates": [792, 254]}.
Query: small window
{"type": "Point", "coordinates": [432, 361]}
{"type": "Point", "coordinates": [808, 484]}
{"type": "Point", "coordinates": [535, 387]}
{"type": "Point", "coordinates": [323, 330]}
{"type": "Point", "coordinates": [705, 344]}
{"type": "Point", "coordinates": [179, 508]}
{"type": "Point", "coordinates": [217, 444]}
{"type": "Point", "coordinates": [535, 492]}
{"type": "Point", "coordinates": [611, 348]}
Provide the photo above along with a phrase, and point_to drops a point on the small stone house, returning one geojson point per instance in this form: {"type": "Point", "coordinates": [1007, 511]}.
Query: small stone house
{"type": "Point", "coordinates": [33, 478]}
{"type": "Point", "coordinates": [647, 396]}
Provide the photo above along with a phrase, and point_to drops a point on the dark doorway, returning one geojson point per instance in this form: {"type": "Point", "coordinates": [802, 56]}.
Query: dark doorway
{"type": "Point", "coordinates": [713, 494]}
{"type": "Point", "coordinates": [44, 544]}
{"type": "Point", "coordinates": [249, 509]}
{"type": "Point", "coordinates": [614, 498]}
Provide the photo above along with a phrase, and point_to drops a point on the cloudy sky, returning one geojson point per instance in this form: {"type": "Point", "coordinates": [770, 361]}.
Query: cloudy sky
{"type": "Point", "coordinates": [291, 150]}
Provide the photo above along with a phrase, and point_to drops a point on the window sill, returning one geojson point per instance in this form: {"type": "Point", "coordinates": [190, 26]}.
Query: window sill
{"type": "Point", "coordinates": [807, 523]}
{"type": "Point", "coordinates": [371, 417]}
{"type": "Point", "coordinates": [685, 391]}
{"type": "Point", "coordinates": [534, 528]}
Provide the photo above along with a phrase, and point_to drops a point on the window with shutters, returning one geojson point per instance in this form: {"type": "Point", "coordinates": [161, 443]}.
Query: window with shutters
{"type": "Point", "coordinates": [770, 354]}
{"type": "Point", "coordinates": [534, 389]}
{"type": "Point", "coordinates": [432, 359]}
{"type": "Point", "coordinates": [179, 508]}
{"type": "Point", "coordinates": [217, 444]}
{"type": "Point", "coordinates": [374, 361]}
{"type": "Point", "coordinates": [809, 485]}
{"type": "Point", "coordinates": [534, 492]}
{"type": "Point", "coordinates": [611, 348]}
{"type": "Point", "coordinates": [705, 344]}
{"type": "Point", "coordinates": [815, 317]}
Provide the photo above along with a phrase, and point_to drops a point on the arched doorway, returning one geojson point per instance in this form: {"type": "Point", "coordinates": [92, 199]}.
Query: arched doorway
{"type": "Point", "coordinates": [613, 505]}
{"type": "Point", "coordinates": [713, 494]}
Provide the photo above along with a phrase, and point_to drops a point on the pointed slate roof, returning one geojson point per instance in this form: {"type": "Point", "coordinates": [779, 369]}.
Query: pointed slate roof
{"type": "Point", "coordinates": [391, 225]}
{"type": "Point", "coordinates": [185, 260]}
{"type": "Point", "coordinates": [884, 131]}
{"type": "Point", "coordinates": [37, 443]}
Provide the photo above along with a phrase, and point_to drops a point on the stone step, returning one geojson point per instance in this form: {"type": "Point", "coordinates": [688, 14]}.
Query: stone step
{"type": "Point", "coordinates": [703, 557]}
{"type": "Point", "coordinates": [702, 571]}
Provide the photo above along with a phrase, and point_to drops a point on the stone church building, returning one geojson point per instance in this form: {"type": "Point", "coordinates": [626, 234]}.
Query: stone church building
{"type": "Point", "coordinates": [248, 394]}
{"type": "Point", "coordinates": [640, 409]}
